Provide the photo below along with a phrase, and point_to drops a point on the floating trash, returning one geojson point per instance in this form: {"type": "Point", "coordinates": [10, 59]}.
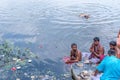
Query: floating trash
{"type": "Point", "coordinates": [13, 68]}
{"type": "Point", "coordinates": [18, 60]}
{"type": "Point", "coordinates": [18, 67]}
{"type": "Point", "coordinates": [29, 60]}
{"type": "Point", "coordinates": [18, 79]}
{"type": "Point", "coordinates": [46, 77]}
{"type": "Point", "coordinates": [66, 75]}
{"type": "Point", "coordinates": [14, 59]}
{"type": "Point", "coordinates": [32, 77]}
{"type": "Point", "coordinates": [2, 56]}
{"type": "Point", "coordinates": [25, 74]}
{"type": "Point", "coordinates": [86, 61]}
{"type": "Point", "coordinates": [79, 64]}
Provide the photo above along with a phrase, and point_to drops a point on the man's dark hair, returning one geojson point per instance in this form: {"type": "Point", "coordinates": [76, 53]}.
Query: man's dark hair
{"type": "Point", "coordinates": [96, 39]}
{"type": "Point", "coordinates": [113, 43]}
{"type": "Point", "coordinates": [111, 52]}
{"type": "Point", "coordinates": [73, 44]}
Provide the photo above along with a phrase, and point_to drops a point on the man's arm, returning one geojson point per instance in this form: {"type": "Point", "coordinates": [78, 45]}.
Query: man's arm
{"type": "Point", "coordinates": [72, 61]}
{"type": "Point", "coordinates": [70, 54]}
{"type": "Point", "coordinates": [118, 40]}
{"type": "Point", "coordinates": [101, 51]}
{"type": "Point", "coordinates": [100, 67]}
{"type": "Point", "coordinates": [118, 34]}
{"type": "Point", "coordinates": [96, 72]}
{"type": "Point", "coordinates": [79, 57]}
{"type": "Point", "coordinates": [118, 44]}
{"type": "Point", "coordinates": [91, 49]}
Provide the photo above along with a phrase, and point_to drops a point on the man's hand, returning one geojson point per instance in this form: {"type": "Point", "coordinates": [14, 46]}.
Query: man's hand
{"type": "Point", "coordinates": [67, 62]}
{"type": "Point", "coordinates": [91, 50]}
{"type": "Point", "coordinates": [96, 72]}
{"type": "Point", "coordinates": [96, 54]}
{"type": "Point", "coordinates": [71, 61]}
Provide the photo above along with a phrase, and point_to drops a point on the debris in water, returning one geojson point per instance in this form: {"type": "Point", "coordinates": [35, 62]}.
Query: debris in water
{"type": "Point", "coordinates": [14, 59]}
{"type": "Point", "coordinates": [29, 60]}
{"type": "Point", "coordinates": [18, 67]}
{"type": "Point", "coordinates": [66, 75]}
{"type": "Point", "coordinates": [13, 69]}
{"type": "Point", "coordinates": [79, 64]}
{"type": "Point", "coordinates": [32, 77]}
{"type": "Point", "coordinates": [18, 79]}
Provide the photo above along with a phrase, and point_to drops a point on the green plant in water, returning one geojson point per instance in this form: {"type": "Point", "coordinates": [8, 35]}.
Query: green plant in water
{"type": "Point", "coordinates": [8, 52]}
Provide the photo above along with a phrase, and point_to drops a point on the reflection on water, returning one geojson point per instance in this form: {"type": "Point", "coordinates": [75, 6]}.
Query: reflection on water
{"type": "Point", "coordinates": [49, 27]}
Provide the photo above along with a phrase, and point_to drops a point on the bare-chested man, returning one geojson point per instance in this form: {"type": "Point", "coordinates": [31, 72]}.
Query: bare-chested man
{"type": "Point", "coordinates": [75, 54]}
{"type": "Point", "coordinates": [97, 51]}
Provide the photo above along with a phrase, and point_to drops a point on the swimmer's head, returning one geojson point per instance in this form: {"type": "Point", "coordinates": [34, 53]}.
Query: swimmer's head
{"type": "Point", "coordinates": [86, 16]}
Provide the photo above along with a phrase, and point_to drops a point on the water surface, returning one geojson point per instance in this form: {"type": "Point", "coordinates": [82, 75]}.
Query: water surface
{"type": "Point", "coordinates": [48, 27]}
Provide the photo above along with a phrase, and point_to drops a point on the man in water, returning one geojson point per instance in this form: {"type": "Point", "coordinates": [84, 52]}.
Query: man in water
{"type": "Point", "coordinates": [113, 46]}
{"type": "Point", "coordinates": [75, 54]}
{"type": "Point", "coordinates": [97, 51]}
{"type": "Point", "coordinates": [110, 67]}
{"type": "Point", "coordinates": [86, 16]}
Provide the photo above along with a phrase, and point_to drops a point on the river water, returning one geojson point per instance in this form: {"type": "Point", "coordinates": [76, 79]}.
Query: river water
{"type": "Point", "coordinates": [48, 27]}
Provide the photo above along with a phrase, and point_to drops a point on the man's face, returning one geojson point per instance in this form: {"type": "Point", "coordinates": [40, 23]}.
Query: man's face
{"type": "Point", "coordinates": [96, 42]}
{"type": "Point", "coordinates": [112, 47]}
{"type": "Point", "coordinates": [74, 48]}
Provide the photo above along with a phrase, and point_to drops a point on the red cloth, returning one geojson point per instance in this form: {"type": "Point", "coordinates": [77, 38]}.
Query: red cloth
{"type": "Point", "coordinates": [13, 69]}
{"type": "Point", "coordinates": [65, 59]}
{"type": "Point", "coordinates": [102, 57]}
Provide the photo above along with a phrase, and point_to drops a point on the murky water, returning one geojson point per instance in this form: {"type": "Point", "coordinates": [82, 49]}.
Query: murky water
{"type": "Point", "coordinates": [49, 27]}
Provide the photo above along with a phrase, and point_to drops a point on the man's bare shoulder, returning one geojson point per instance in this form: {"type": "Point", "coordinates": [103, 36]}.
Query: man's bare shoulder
{"type": "Point", "coordinates": [79, 51]}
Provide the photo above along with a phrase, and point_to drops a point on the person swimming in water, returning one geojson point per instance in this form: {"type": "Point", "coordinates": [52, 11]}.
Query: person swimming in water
{"type": "Point", "coordinates": [75, 54]}
{"type": "Point", "coordinates": [86, 16]}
